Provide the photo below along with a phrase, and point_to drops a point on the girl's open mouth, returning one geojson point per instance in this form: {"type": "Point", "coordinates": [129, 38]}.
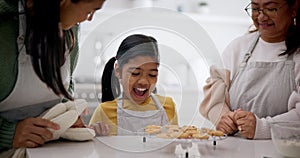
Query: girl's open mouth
{"type": "Point", "coordinates": [140, 92]}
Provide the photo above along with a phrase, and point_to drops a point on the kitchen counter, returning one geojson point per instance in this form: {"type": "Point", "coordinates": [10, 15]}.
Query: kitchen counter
{"type": "Point", "coordinates": [133, 146]}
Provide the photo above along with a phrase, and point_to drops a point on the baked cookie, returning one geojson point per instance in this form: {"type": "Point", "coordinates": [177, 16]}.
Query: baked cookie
{"type": "Point", "coordinates": [200, 136]}
{"type": "Point", "coordinates": [184, 136]}
{"type": "Point", "coordinates": [153, 129]}
{"type": "Point", "coordinates": [163, 135]}
{"type": "Point", "coordinates": [172, 127]}
{"type": "Point", "coordinates": [216, 133]}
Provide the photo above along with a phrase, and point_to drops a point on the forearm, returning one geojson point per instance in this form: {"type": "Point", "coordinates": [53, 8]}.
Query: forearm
{"type": "Point", "coordinates": [263, 130]}
{"type": "Point", "coordinates": [7, 131]}
{"type": "Point", "coordinates": [216, 94]}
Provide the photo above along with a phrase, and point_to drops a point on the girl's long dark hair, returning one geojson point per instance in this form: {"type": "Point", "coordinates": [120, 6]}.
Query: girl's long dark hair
{"type": "Point", "coordinates": [46, 43]}
{"type": "Point", "coordinates": [132, 46]}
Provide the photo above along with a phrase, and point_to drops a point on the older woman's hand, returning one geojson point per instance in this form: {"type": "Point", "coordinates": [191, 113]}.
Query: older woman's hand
{"type": "Point", "coordinates": [227, 124]}
{"type": "Point", "coordinates": [246, 123]}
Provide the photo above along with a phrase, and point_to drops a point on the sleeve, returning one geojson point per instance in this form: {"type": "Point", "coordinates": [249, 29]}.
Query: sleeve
{"type": "Point", "coordinates": [263, 131]}
{"type": "Point", "coordinates": [216, 95]}
{"type": "Point", "coordinates": [234, 53]}
{"type": "Point", "coordinates": [96, 117]}
{"type": "Point", "coordinates": [226, 56]}
{"type": "Point", "coordinates": [107, 116]}
{"type": "Point", "coordinates": [7, 132]}
{"type": "Point", "coordinates": [170, 108]}
{"type": "Point", "coordinates": [231, 57]}
{"type": "Point", "coordinates": [215, 102]}
{"type": "Point", "coordinates": [7, 128]}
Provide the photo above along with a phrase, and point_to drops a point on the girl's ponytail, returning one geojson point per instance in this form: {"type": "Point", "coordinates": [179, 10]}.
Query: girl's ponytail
{"type": "Point", "coordinates": [110, 83]}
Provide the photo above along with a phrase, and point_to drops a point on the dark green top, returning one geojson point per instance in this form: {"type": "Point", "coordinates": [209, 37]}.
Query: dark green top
{"type": "Point", "coordinates": [9, 30]}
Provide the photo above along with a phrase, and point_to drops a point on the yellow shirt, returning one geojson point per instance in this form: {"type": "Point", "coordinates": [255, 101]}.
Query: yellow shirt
{"type": "Point", "coordinates": [107, 112]}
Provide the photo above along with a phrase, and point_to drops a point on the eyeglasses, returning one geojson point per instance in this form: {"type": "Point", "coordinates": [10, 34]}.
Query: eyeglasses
{"type": "Point", "coordinates": [270, 12]}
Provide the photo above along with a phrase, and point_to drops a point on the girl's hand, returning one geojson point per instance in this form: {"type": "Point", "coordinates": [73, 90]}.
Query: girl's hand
{"type": "Point", "coordinates": [101, 128]}
{"type": "Point", "coordinates": [246, 123]}
{"type": "Point", "coordinates": [33, 132]}
{"type": "Point", "coordinates": [227, 123]}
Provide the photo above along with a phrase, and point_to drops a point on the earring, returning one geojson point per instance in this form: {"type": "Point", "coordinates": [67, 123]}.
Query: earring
{"type": "Point", "coordinates": [295, 21]}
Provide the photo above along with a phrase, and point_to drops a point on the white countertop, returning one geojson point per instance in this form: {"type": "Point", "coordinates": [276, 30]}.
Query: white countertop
{"type": "Point", "coordinates": [133, 146]}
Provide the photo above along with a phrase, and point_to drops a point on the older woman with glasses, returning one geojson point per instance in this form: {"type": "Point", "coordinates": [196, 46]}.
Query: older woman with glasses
{"type": "Point", "coordinates": [264, 71]}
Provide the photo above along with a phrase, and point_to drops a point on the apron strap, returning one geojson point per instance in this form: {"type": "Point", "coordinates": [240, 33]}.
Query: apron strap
{"type": "Point", "coordinates": [250, 50]}
{"type": "Point", "coordinates": [156, 101]}
{"type": "Point", "coordinates": [161, 108]}
{"type": "Point", "coordinates": [22, 29]}
{"type": "Point", "coordinates": [247, 56]}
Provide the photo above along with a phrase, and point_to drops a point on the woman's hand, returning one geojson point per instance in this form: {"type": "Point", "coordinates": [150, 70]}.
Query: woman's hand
{"type": "Point", "coordinates": [101, 128]}
{"type": "Point", "coordinates": [246, 123]}
{"type": "Point", "coordinates": [33, 132]}
{"type": "Point", "coordinates": [227, 123]}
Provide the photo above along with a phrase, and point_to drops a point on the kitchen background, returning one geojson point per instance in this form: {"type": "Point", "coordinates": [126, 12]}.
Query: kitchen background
{"type": "Point", "coordinates": [183, 69]}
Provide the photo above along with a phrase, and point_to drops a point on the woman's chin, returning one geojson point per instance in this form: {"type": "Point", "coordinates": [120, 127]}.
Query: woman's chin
{"type": "Point", "coordinates": [67, 27]}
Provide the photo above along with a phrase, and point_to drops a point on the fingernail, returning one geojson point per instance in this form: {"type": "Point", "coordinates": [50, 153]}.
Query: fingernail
{"type": "Point", "coordinates": [240, 128]}
{"type": "Point", "coordinates": [57, 127]}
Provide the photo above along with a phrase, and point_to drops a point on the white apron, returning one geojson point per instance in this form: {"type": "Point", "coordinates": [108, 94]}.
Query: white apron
{"type": "Point", "coordinates": [131, 122]}
{"type": "Point", "coordinates": [263, 87]}
{"type": "Point", "coordinates": [30, 96]}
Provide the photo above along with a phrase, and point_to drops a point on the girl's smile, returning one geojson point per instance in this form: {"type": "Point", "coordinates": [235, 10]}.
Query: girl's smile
{"type": "Point", "coordinates": [138, 78]}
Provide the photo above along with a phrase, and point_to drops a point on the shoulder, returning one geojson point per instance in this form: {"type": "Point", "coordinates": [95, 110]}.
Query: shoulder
{"type": "Point", "coordinates": [241, 43]}
{"type": "Point", "coordinates": [166, 101]}
{"type": "Point", "coordinates": [109, 105]}
{"type": "Point", "coordinates": [164, 98]}
{"type": "Point", "coordinates": [235, 51]}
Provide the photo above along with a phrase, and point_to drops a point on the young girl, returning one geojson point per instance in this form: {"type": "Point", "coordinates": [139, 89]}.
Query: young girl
{"type": "Point", "coordinates": [135, 68]}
